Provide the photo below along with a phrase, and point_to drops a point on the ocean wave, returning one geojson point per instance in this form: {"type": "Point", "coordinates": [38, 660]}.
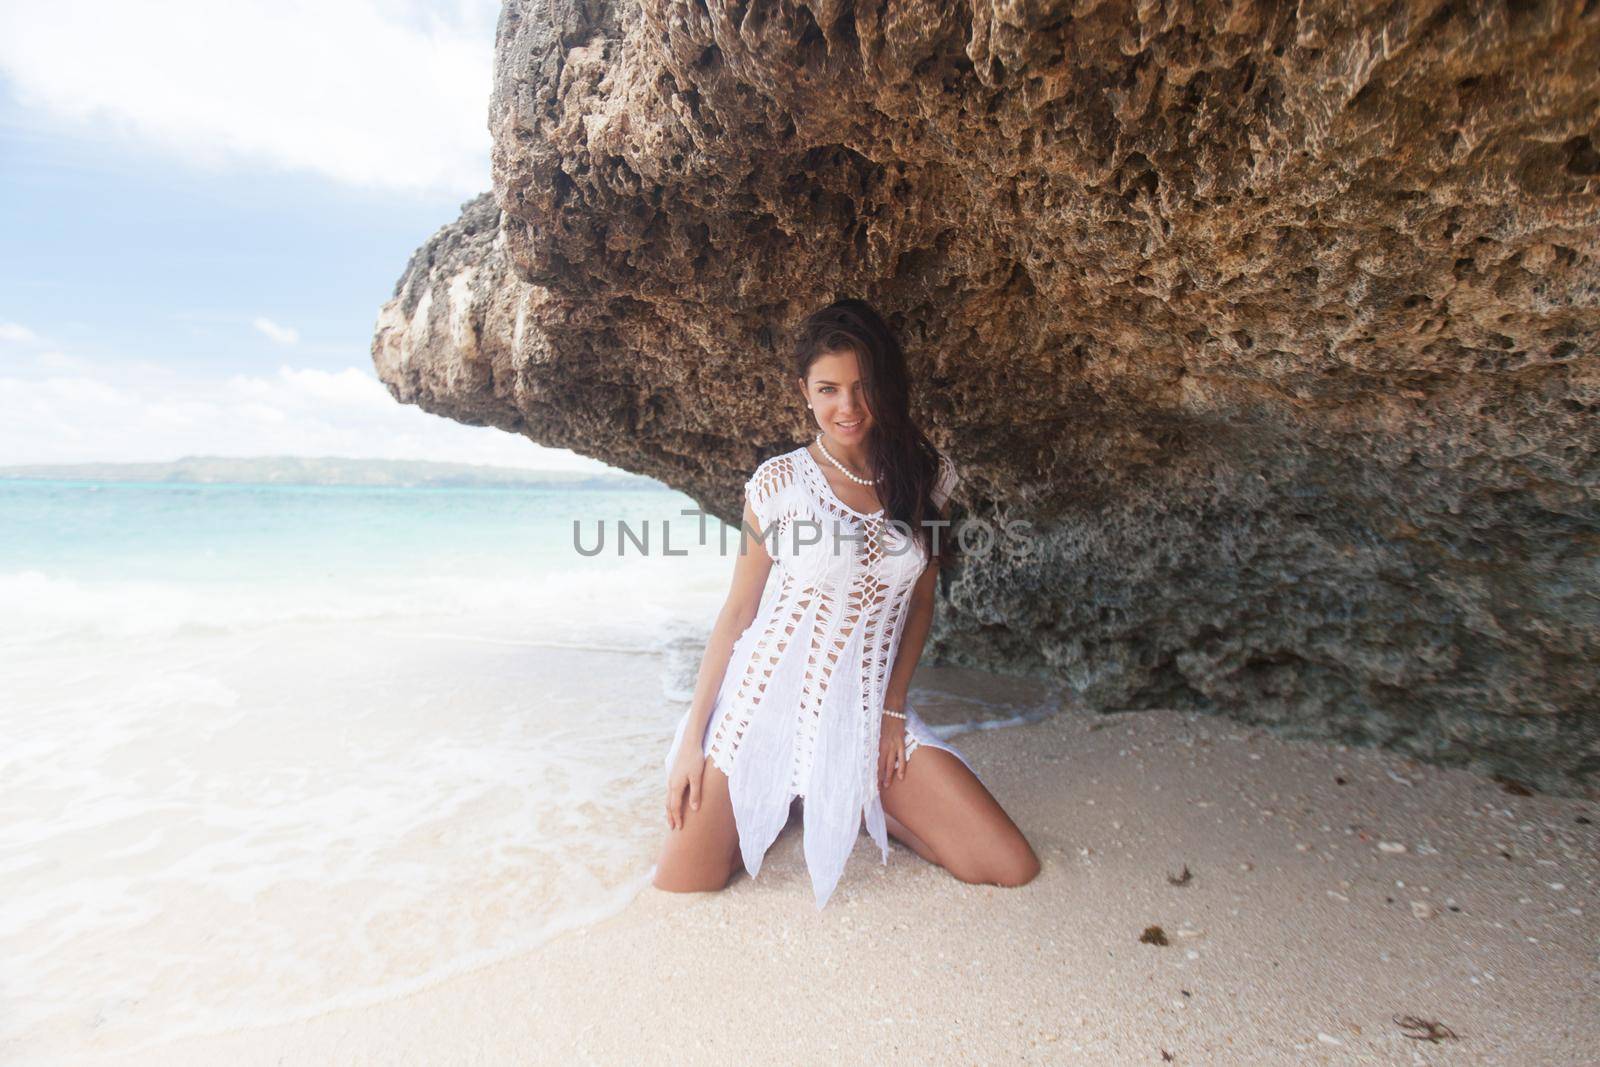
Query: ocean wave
{"type": "Point", "coordinates": [37, 608]}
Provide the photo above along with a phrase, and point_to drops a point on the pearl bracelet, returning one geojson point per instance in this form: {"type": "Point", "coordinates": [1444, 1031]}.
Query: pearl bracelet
{"type": "Point", "coordinates": [896, 714]}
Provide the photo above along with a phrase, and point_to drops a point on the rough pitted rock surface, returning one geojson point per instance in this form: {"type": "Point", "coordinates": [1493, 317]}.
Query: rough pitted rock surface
{"type": "Point", "coordinates": [1279, 322]}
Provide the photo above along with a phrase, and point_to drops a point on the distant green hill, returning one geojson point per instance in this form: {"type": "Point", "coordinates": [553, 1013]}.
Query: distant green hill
{"type": "Point", "coordinates": [327, 470]}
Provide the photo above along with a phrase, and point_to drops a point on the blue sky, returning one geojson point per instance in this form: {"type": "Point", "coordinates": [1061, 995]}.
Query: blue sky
{"type": "Point", "coordinates": [196, 232]}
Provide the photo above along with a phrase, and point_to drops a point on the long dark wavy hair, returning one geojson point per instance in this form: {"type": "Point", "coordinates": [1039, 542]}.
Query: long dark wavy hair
{"type": "Point", "coordinates": [906, 462]}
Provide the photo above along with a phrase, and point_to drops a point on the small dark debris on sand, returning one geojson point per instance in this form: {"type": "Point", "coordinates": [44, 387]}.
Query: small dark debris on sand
{"type": "Point", "coordinates": [1427, 1030]}
{"type": "Point", "coordinates": [1154, 935]}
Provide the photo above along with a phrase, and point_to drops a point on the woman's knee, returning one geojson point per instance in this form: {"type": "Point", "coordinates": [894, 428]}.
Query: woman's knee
{"type": "Point", "coordinates": [1016, 867]}
{"type": "Point", "coordinates": [701, 881]}
{"type": "Point", "coordinates": [1020, 869]}
{"type": "Point", "coordinates": [687, 885]}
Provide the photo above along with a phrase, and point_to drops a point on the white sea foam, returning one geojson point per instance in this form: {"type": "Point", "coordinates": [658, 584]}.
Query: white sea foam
{"type": "Point", "coordinates": [633, 598]}
{"type": "Point", "coordinates": [227, 805]}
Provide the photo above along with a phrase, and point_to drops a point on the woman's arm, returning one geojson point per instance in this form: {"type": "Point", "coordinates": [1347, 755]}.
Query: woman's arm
{"type": "Point", "coordinates": [738, 611]}
{"type": "Point", "coordinates": [919, 620]}
{"type": "Point", "coordinates": [919, 611]}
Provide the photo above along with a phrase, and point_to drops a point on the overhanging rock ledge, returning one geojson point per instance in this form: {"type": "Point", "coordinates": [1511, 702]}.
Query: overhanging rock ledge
{"type": "Point", "coordinates": [1277, 320]}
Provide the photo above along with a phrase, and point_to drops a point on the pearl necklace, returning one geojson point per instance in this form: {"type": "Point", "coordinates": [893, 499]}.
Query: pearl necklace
{"type": "Point", "coordinates": [841, 466]}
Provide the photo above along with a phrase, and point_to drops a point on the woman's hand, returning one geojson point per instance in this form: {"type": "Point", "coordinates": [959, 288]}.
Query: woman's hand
{"type": "Point", "coordinates": [687, 772]}
{"type": "Point", "coordinates": [891, 750]}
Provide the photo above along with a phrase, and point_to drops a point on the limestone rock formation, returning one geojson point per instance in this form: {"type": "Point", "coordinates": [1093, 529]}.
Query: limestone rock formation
{"type": "Point", "coordinates": [1277, 320]}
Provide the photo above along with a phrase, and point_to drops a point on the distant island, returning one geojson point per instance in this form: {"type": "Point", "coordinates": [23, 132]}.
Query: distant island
{"type": "Point", "coordinates": [327, 470]}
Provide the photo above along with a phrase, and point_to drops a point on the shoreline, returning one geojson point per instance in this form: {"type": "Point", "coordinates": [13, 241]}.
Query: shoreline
{"type": "Point", "coordinates": [1302, 932]}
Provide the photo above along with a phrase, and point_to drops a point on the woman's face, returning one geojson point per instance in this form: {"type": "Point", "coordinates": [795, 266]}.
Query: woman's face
{"type": "Point", "coordinates": [834, 389]}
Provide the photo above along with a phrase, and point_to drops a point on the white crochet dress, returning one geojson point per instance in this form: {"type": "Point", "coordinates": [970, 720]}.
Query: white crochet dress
{"type": "Point", "coordinates": [800, 706]}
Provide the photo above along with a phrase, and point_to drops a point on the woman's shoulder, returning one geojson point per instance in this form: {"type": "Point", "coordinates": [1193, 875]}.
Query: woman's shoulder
{"type": "Point", "coordinates": [771, 478]}
{"type": "Point", "coordinates": [780, 466]}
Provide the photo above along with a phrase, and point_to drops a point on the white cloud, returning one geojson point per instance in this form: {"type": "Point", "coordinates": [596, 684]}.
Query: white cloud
{"type": "Point", "coordinates": [59, 361]}
{"type": "Point", "coordinates": [368, 94]}
{"type": "Point", "coordinates": [284, 335]}
{"type": "Point", "coordinates": [49, 360]}
{"type": "Point", "coordinates": [118, 413]}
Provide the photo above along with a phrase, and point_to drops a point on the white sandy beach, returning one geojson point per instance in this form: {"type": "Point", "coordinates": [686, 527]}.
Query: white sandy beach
{"type": "Point", "coordinates": [1303, 932]}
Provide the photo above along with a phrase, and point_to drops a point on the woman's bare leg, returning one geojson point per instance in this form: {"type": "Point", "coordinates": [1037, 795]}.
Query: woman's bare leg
{"type": "Point", "coordinates": [703, 853]}
{"type": "Point", "coordinates": [947, 810]}
{"type": "Point", "coordinates": [899, 832]}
